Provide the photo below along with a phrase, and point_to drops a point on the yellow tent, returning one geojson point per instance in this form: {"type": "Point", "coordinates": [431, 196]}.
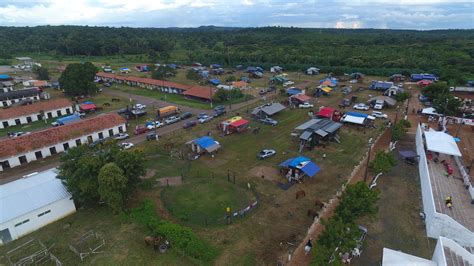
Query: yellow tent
{"type": "Point", "coordinates": [326, 89]}
{"type": "Point", "coordinates": [233, 119]}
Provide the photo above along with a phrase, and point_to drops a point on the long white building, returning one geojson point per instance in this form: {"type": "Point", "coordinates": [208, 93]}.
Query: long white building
{"type": "Point", "coordinates": [32, 202]}
{"type": "Point", "coordinates": [16, 96]}
{"type": "Point", "coordinates": [40, 144]}
{"type": "Point", "coordinates": [25, 114]}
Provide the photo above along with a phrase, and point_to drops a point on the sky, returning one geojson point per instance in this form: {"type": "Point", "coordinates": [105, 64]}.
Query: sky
{"type": "Point", "coordinates": [381, 14]}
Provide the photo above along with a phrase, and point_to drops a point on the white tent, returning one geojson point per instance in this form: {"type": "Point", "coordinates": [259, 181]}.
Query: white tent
{"type": "Point", "coordinates": [397, 258]}
{"type": "Point", "coordinates": [353, 119]}
{"type": "Point", "coordinates": [441, 142]}
{"type": "Point", "coordinates": [429, 111]}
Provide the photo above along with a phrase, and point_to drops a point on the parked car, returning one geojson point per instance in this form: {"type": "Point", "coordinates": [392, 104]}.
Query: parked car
{"type": "Point", "coordinates": [219, 112]}
{"type": "Point", "coordinates": [305, 105]}
{"type": "Point", "coordinates": [265, 154]}
{"type": "Point", "coordinates": [140, 130]}
{"type": "Point", "coordinates": [201, 115]}
{"type": "Point", "coordinates": [171, 120]}
{"type": "Point", "coordinates": [186, 115]}
{"type": "Point", "coordinates": [153, 124]}
{"type": "Point", "coordinates": [378, 106]}
{"type": "Point", "coordinates": [139, 106]}
{"type": "Point", "coordinates": [190, 124]}
{"type": "Point", "coordinates": [205, 119]}
{"type": "Point", "coordinates": [288, 83]}
{"type": "Point", "coordinates": [107, 84]}
{"type": "Point", "coordinates": [346, 90]}
{"type": "Point", "coordinates": [219, 107]}
{"type": "Point", "coordinates": [152, 136]}
{"type": "Point", "coordinates": [121, 136]}
{"type": "Point", "coordinates": [345, 103]}
{"type": "Point", "coordinates": [126, 145]}
{"type": "Point", "coordinates": [17, 134]}
{"type": "Point", "coordinates": [361, 106]}
{"type": "Point", "coordinates": [378, 114]}
{"type": "Point", "coordinates": [122, 111]}
{"type": "Point", "coordinates": [269, 121]}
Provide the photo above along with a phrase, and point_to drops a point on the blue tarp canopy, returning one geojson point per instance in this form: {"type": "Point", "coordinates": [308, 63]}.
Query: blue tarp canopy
{"type": "Point", "coordinates": [5, 77]}
{"type": "Point", "coordinates": [88, 103]}
{"type": "Point", "coordinates": [205, 142]}
{"type": "Point", "coordinates": [214, 81]}
{"type": "Point", "coordinates": [309, 168]}
{"type": "Point", "coordinates": [356, 114]}
{"type": "Point", "coordinates": [293, 91]}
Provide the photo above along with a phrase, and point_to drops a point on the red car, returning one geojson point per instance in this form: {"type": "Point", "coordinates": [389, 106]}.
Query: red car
{"type": "Point", "coordinates": [140, 130]}
{"type": "Point", "coordinates": [189, 124]}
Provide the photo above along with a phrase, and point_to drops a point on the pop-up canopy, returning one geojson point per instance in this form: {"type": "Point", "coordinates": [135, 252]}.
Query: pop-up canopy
{"type": "Point", "coordinates": [441, 142]}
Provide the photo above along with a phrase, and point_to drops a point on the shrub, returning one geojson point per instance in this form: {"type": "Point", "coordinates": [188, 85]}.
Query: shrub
{"type": "Point", "coordinates": [383, 162]}
{"type": "Point", "coordinates": [400, 97]}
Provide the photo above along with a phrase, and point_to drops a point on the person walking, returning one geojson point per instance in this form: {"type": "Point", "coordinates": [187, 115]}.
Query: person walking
{"type": "Point", "coordinates": [308, 246]}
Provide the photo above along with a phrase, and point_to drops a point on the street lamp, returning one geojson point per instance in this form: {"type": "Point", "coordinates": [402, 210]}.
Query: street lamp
{"type": "Point", "coordinates": [368, 160]}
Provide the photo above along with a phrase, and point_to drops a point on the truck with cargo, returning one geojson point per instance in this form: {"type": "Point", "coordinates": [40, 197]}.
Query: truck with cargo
{"type": "Point", "coordinates": [66, 120]}
{"type": "Point", "coordinates": [167, 111]}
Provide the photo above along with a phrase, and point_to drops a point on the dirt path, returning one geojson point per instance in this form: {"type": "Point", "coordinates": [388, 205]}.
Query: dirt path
{"type": "Point", "coordinates": [299, 257]}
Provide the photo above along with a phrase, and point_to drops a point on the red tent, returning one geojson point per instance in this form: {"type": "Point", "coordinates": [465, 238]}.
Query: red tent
{"type": "Point", "coordinates": [424, 83]}
{"type": "Point", "coordinates": [239, 125]}
{"type": "Point", "coordinates": [326, 112]}
{"type": "Point", "coordinates": [87, 107]}
{"type": "Point", "coordinates": [302, 98]}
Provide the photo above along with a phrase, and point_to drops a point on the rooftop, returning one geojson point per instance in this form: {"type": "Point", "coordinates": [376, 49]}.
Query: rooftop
{"type": "Point", "coordinates": [35, 108]}
{"type": "Point", "coordinates": [19, 93]}
{"type": "Point", "coordinates": [55, 135]}
{"type": "Point", "coordinates": [200, 92]}
{"type": "Point", "coordinates": [145, 80]}
{"type": "Point", "coordinates": [30, 193]}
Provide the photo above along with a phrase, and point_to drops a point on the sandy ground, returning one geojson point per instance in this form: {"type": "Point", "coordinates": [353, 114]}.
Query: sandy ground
{"type": "Point", "coordinates": [265, 172]}
{"type": "Point", "coordinates": [170, 181]}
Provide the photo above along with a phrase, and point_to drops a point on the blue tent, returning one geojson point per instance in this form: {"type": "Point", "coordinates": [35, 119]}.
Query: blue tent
{"type": "Point", "coordinates": [215, 82]}
{"type": "Point", "coordinates": [205, 142]}
{"type": "Point", "coordinates": [173, 66]}
{"type": "Point", "coordinates": [356, 114]}
{"type": "Point", "coordinates": [309, 168]}
{"type": "Point", "coordinates": [293, 91]}
{"type": "Point", "coordinates": [6, 77]}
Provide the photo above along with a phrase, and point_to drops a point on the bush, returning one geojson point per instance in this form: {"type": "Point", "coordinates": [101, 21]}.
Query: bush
{"type": "Point", "coordinates": [400, 97]}
{"type": "Point", "coordinates": [192, 75]}
{"type": "Point", "coordinates": [399, 130]}
{"type": "Point", "coordinates": [383, 162]}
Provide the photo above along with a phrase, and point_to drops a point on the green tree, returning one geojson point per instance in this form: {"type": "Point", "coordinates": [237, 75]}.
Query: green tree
{"type": "Point", "coordinates": [112, 185]}
{"type": "Point", "coordinates": [78, 79]}
{"type": "Point", "coordinates": [192, 75]}
{"type": "Point", "coordinates": [383, 162]}
{"type": "Point", "coordinates": [163, 72]}
{"type": "Point", "coordinates": [446, 104]}
{"type": "Point", "coordinates": [357, 201]}
{"type": "Point", "coordinates": [42, 73]}
{"type": "Point", "coordinates": [230, 78]}
{"type": "Point", "coordinates": [400, 97]}
{"type": "Point", "coordinates": [132, 164]}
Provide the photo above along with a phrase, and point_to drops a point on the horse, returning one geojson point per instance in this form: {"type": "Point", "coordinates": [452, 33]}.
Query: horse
{"type": "Point", "coordinates": [301, 194]}
{"type": "Point", "coordinates": [115, 99]}
{"type": "Point", "coordinates": [312, 213]}
{"type": "Point", "coordinates": [106, 104]}
{"type": "Point", "coordinates": [318, 204]}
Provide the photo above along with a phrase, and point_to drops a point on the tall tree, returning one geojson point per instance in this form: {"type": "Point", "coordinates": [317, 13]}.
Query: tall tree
{"type": "Point", "coordinates": [78, 79]}
{"type": "Point", "coordinates": [42, 73]}
{"type": "Point", "coordinates": [112, 185]}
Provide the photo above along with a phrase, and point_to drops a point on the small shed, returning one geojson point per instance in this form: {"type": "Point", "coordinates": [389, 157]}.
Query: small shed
{"type": "Point", "coordinates": [268, 110]}
{"type": "Point", "coordinates": [312, 71]}
{"type": "Point", "coordinates": [299, 98]}
{"type": "Point", "coordinates": [235, 124]}
{"type": "Point", "coordinates": [205, 145]}
{"type": "Point", "coordinates": [326, 112]}
{"type": "Point", "coordinates": [317, 131]}
{"type": "Point", "coordinates": [299, 167]}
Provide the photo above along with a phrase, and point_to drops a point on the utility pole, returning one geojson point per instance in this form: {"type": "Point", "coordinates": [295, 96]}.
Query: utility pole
{"type": "Point", "coordinates": [368, 160]}
{"type": "Point", "coordinates": [210, 93]}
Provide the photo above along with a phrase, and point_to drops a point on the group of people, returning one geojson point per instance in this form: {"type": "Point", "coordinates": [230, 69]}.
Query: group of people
{"type": "Point", "coordinates": [449, 202]}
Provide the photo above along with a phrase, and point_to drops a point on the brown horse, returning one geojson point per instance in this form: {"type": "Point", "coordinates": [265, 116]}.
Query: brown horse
{"type": "Point", "coordinates": [313, 213]}
{"type": "Point", "coordinates": [300, 194]}
{"type": "Point", "coordinates": [318, 204]}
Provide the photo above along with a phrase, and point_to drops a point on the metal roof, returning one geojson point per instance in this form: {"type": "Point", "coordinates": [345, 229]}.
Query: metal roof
{"type": "Point", "coordinates": [307, 124]}
{"type": "Point", "coordinates": [30, 193]}
{"type": "Point", "coordinates": [306, 135]}
{"type": "Point", "coordinates": [19, 93]}
{"type": "Point", "coordinates": [269, 109]}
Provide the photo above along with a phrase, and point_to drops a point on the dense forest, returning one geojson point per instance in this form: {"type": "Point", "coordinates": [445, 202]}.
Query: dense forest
{"type": "Point", "coordinates": [448, 53]}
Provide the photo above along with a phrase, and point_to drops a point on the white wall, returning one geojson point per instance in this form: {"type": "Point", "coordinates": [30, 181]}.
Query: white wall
{"type": "Point", "coordinates": [457, 249]}
{"type": "Point", "coordinates": [438, 254]}
{"type": "Point", "coordinates": [30, 156]}
{"type": "Point", "coordinates": [12, 101]}
{"type": "Point", "coordinates": [34, 116]}
{"type": "Point", "coordinates": [437, 224]}
{"type": "Point", "coordinates": [59, 209]}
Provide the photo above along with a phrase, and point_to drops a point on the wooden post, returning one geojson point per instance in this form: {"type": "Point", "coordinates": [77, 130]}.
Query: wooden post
{"type": "Point", "coordinates": [228, 176]}
{"type": "Point", "coordinates": [167, 182]}
{"type": "Point", "coordinates": [234, 178]}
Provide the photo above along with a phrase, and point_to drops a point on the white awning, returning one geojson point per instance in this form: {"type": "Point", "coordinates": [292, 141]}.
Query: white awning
{"type": "Point", "coordinates": [441, 142]}
{"type": "Point", "coordinates": [353, 119]}
{"type": "Point", "coordinates": [429, 111]}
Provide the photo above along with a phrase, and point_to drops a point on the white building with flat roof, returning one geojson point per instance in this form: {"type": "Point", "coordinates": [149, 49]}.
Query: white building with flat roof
{"type": "Point", "coordinates": [32, 202]}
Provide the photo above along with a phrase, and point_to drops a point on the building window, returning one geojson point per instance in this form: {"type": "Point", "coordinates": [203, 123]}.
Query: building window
{"type": "Point", "coordinates": [43, 213]}
{"type": "Point", "coordinates": [5, 164]}
{"type": "Point", "coordinates": [22, 159]}
{"type": "Point", "coordinates": [52, 150]}
{"type": "Point", "coordinates": [101, 135]}
{"type": "Point", "coordinates": [66, 146]}
{"type": "Point", "coordinates": [68, 111]}
{"type": "Point", "coordinates": [50, 115]}
{"type": "Point", "coordinates": [20, 223]}
{"type": "Point", "coordinates": [59, 113]}
{"type": "Point", "coordinates": [17, 122]}
{"type": "Point", "coordinates": [78, 142]}
{"type": "Point", "coordinates": [90, 139]}
{"type": "Point", "coordinates": [5, 124]}
{"type": "Point", "coordinates": [111, 132]}
{"type": "Point", "coordinates": [120, 129]}
{"type": "Point", "coordinates": [28, 119]}
{"type": "Point", "coordinates": [5, 103]}
{"type": "Point", "coordinates": [39, 117]}
{"type": "Point", "coordinates": [38, 155]}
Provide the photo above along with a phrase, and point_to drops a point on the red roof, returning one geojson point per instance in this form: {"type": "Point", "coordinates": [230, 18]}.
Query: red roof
{"type": "Point", "coordinates": [326, 112]}
{"type": "Point", "coordinates": [35, 108]}
{"type": "Point", "coordinates": [239, 84]}
{"type": "Point", "coordinates": [148, 81]}
{"type": "Point", "coordinates": [52, 136]}
{"type": "Point", "coordinates": [302, 97]}
{"type": "Point", "coordinates": [239, 123]}
{"type": "Point", "coordinates": [87, 106]}
{"type": "Point", "coordinates": [200, 92]}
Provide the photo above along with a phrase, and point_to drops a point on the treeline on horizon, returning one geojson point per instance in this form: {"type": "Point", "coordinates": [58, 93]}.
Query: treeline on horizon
{"type": "Point", "coordinates": [447, 53]}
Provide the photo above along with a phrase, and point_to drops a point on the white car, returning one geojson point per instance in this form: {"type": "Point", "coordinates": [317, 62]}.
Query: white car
{"type": "Point", "coordinates": [288, 83]}
{"type": "Point", "coordinates": [139, 106]}
{"type": "Point", "coordinates": [361, 106]}
{"type": "Point", "coordinates": [17, 134]}
{"type": "Point", "coordinates": [378, 114]}
{"type": "Point", "coordinates": [171, 120]}
{"type": "Point", "coordinates": [126, 145]}
{"type": "Point", "coordinates": [205, 119]}
{"type": "Point", "coordinates": [305, 105]}
{"type": "Point", "coordinates": [378, 106]}
{"type": "Point", "coordinates": [121, 136]}
{"type": "Point", "coordinates": [265, 154]}
{"type": "Point", "coordinates": [154, 124]}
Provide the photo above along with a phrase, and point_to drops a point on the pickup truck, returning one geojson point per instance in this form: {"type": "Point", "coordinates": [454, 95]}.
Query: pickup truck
{"type": "Point", "coordinates": [66, 120]}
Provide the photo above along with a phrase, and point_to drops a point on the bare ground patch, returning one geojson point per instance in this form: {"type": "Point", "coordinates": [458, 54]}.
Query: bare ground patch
{"type": "Point", "coordinates": [265, 172]}
{"type": "Point", "coordinates": [169, 181]}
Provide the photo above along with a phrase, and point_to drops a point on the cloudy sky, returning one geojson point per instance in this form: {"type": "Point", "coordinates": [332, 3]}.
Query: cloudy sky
{"type": "Point", "coordinates": [393, 14]}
